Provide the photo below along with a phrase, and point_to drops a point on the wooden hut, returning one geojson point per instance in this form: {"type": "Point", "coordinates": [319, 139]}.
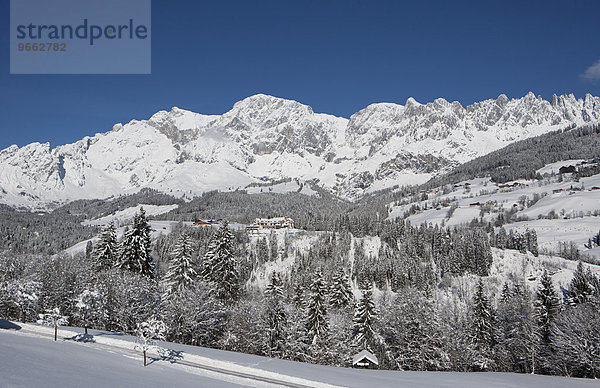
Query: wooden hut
{"type": "Point", "coordinates": [365, 360]}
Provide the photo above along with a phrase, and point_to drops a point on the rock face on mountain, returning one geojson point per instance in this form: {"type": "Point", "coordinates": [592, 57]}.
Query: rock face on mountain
{"type": "Point", "coordinates": [268, 138]}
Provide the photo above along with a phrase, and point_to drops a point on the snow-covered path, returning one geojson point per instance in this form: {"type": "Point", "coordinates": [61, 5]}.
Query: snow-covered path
{"type": "Point", "coordinates": [29, 361]}
{"type": "Point", "coordinates": [214, 369]}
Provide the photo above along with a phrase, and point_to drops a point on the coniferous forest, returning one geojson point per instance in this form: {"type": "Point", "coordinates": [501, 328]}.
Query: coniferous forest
{"type": "Point", "coordinates": [417, 297]}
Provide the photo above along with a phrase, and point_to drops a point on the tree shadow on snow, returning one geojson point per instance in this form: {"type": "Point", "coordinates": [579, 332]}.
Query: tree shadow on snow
{"type": "Point", "coordinates": [8, 325]}
{"type": "Point", "coordinates": [167, 355]}
{"type": "Point", "coordinates": [110, 334]}
{"type": "Point", "coordinates": [83, 338]}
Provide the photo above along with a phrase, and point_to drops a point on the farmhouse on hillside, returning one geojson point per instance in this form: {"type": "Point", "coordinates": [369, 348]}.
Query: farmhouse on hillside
{"type": "Point", "coordinates": [271, 223]}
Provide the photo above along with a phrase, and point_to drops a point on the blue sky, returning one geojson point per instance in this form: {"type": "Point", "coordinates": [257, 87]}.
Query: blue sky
{"type": "Point", "coordinates": [337, 56]}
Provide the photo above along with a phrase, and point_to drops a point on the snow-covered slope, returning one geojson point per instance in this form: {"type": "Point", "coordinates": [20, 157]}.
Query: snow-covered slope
{"type": "Point", "coordinates": [31, 358]}
{"type": "Point", "coordinates": [559, 209]}
{"type": "Point", "coordinates": [264, 137]}
{"type": "Point", "coordinates": [125, 216]}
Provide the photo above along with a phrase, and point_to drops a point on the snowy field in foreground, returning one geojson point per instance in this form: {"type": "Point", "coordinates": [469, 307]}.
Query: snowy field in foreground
{"type": "Point", "coordinates": [30, 358]}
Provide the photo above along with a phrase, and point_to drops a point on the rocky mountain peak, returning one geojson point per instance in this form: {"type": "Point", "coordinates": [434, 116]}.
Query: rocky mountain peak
{"type": "Point", "coordinates": [266, 137]}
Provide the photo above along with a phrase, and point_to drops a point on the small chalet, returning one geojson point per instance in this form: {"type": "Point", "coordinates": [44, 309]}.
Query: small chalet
{"type": "Point", "coordinates": [595, 188]}
{"type": "Point", "coordinates": [475, 204]}
{"type": "Point", "coordinates": [365, 360]}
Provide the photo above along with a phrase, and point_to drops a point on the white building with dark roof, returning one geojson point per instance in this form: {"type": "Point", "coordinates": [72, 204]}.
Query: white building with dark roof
{"type": "Point", "coordinates": [271, 223]}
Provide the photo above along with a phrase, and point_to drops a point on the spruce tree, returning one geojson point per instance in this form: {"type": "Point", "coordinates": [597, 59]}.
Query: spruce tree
{"type": "Point", "coordinates": [581, 287]}
{"type": "Point", "coordinates": [364, 317]}
{"type": "Point", "coordinates": [299, 298]}
{"type": "Point", "coordinates": [273, 247]}
{"type": "Point", "coordinates": [181, 273]}
{"type": "Point", "coordinates": [482, 319]}
{"type": "Point", "coordinates": [317, 323]}
{"type": "Point", "coordinates": [104, 254]}
{"type": "Point", "coordinates": [275, 318]}
{"type": "Point", "coordinates": [340, 294]}
{"type": "Point", "coordinates": [219, 265]}
{"type": "Point", "coordinates": [547, 305]}
{"type": "Point", "coordinates": [501, 238]}
{"type": "Point", "coordinates": [506, 293]}
{"type": "Point", "coordinates": [517, 332]}
{"type": "Point", "coordinates": [135, 247]}
{"type": "Point", "coordinates": [275, 287]}
{"type": "Point", "coordinates": [262, 250]}
{"type": "Point", "coordinates": [532, 242]}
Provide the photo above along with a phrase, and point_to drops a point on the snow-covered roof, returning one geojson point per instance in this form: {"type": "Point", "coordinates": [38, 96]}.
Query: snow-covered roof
{"type": "Point", "coordinates": [274, 219]}
{"type": "Point", "coordinates": [364, 354]}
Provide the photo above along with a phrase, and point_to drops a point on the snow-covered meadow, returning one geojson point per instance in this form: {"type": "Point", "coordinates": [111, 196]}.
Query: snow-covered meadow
{"type": "Point", "coordinates": [558, 210]}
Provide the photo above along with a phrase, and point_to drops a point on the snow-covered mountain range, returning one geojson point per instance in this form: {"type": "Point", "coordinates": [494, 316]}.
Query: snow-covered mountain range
{"type": "Point", "coordinates": [268, 138]}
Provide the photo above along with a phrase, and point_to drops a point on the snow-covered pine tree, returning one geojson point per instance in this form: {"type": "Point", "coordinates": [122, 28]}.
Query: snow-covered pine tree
{"type": "Point", "coordinates": [262, 250]}
{"type": "Point", "coordinates": [181, 273]}
{"type": "Point", "coordinates": [219, 265]}
{"type": "Point", "coordinates": [520, 242]}
{"type": "Point", "coordinates": [482, 253]}
{"type": "Point", "coordinates": [532, 242]}
{"type": "Point", "coordinates": [275, 287]}
{"type": "Point", "coordinates": [317, 322]}
{"type": "Point", "coordinates": [482, 327]}
{"type": "Point", "coordinates": [273, 247]}
{"type": "Point", "coordinates": [547, 305]}
{"type": "Point", "coordinates": [582, 286]}
{"type": "Point", "coordinates": [411, 331]}
{"type": "Point", "coordinates": [135, 247]}
{"type": "Point", "coordinates": [53, 318]}
{"type": "Point", "coordinates": [518, 332]}
{"type": "Point", "coordinates": [501, 238]}
{"type": "Point", "coordinates": [340, 294]}
{"type": "Point", "coordinates": [104, 254]}
{"type": "Point", "coordinates": [364, 317]}
{"type": "Point", "coordinates": [506, 293]}
{"type": "Point", "coordinates": [299, 298]}
{"type": "Point", "coordinates": [275, 318]}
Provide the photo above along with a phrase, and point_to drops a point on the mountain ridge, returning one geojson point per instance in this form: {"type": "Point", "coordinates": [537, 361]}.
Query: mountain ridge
{"type": "Point", "coordinates": [266, 138]}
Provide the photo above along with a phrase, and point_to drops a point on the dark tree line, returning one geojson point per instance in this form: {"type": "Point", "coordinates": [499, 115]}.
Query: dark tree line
{"type": "Point", "coordinates": [521, 160]}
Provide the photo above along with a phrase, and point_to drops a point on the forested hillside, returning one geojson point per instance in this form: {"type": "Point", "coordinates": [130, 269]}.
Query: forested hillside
{"type": "Point", "coordinates": [522, 159]}
{"type": "Point", "coordinates": [322, 296]}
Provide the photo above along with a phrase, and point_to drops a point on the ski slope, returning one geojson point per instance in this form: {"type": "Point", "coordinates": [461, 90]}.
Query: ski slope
{"type": "Point", "coordinates": [30, 358]}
